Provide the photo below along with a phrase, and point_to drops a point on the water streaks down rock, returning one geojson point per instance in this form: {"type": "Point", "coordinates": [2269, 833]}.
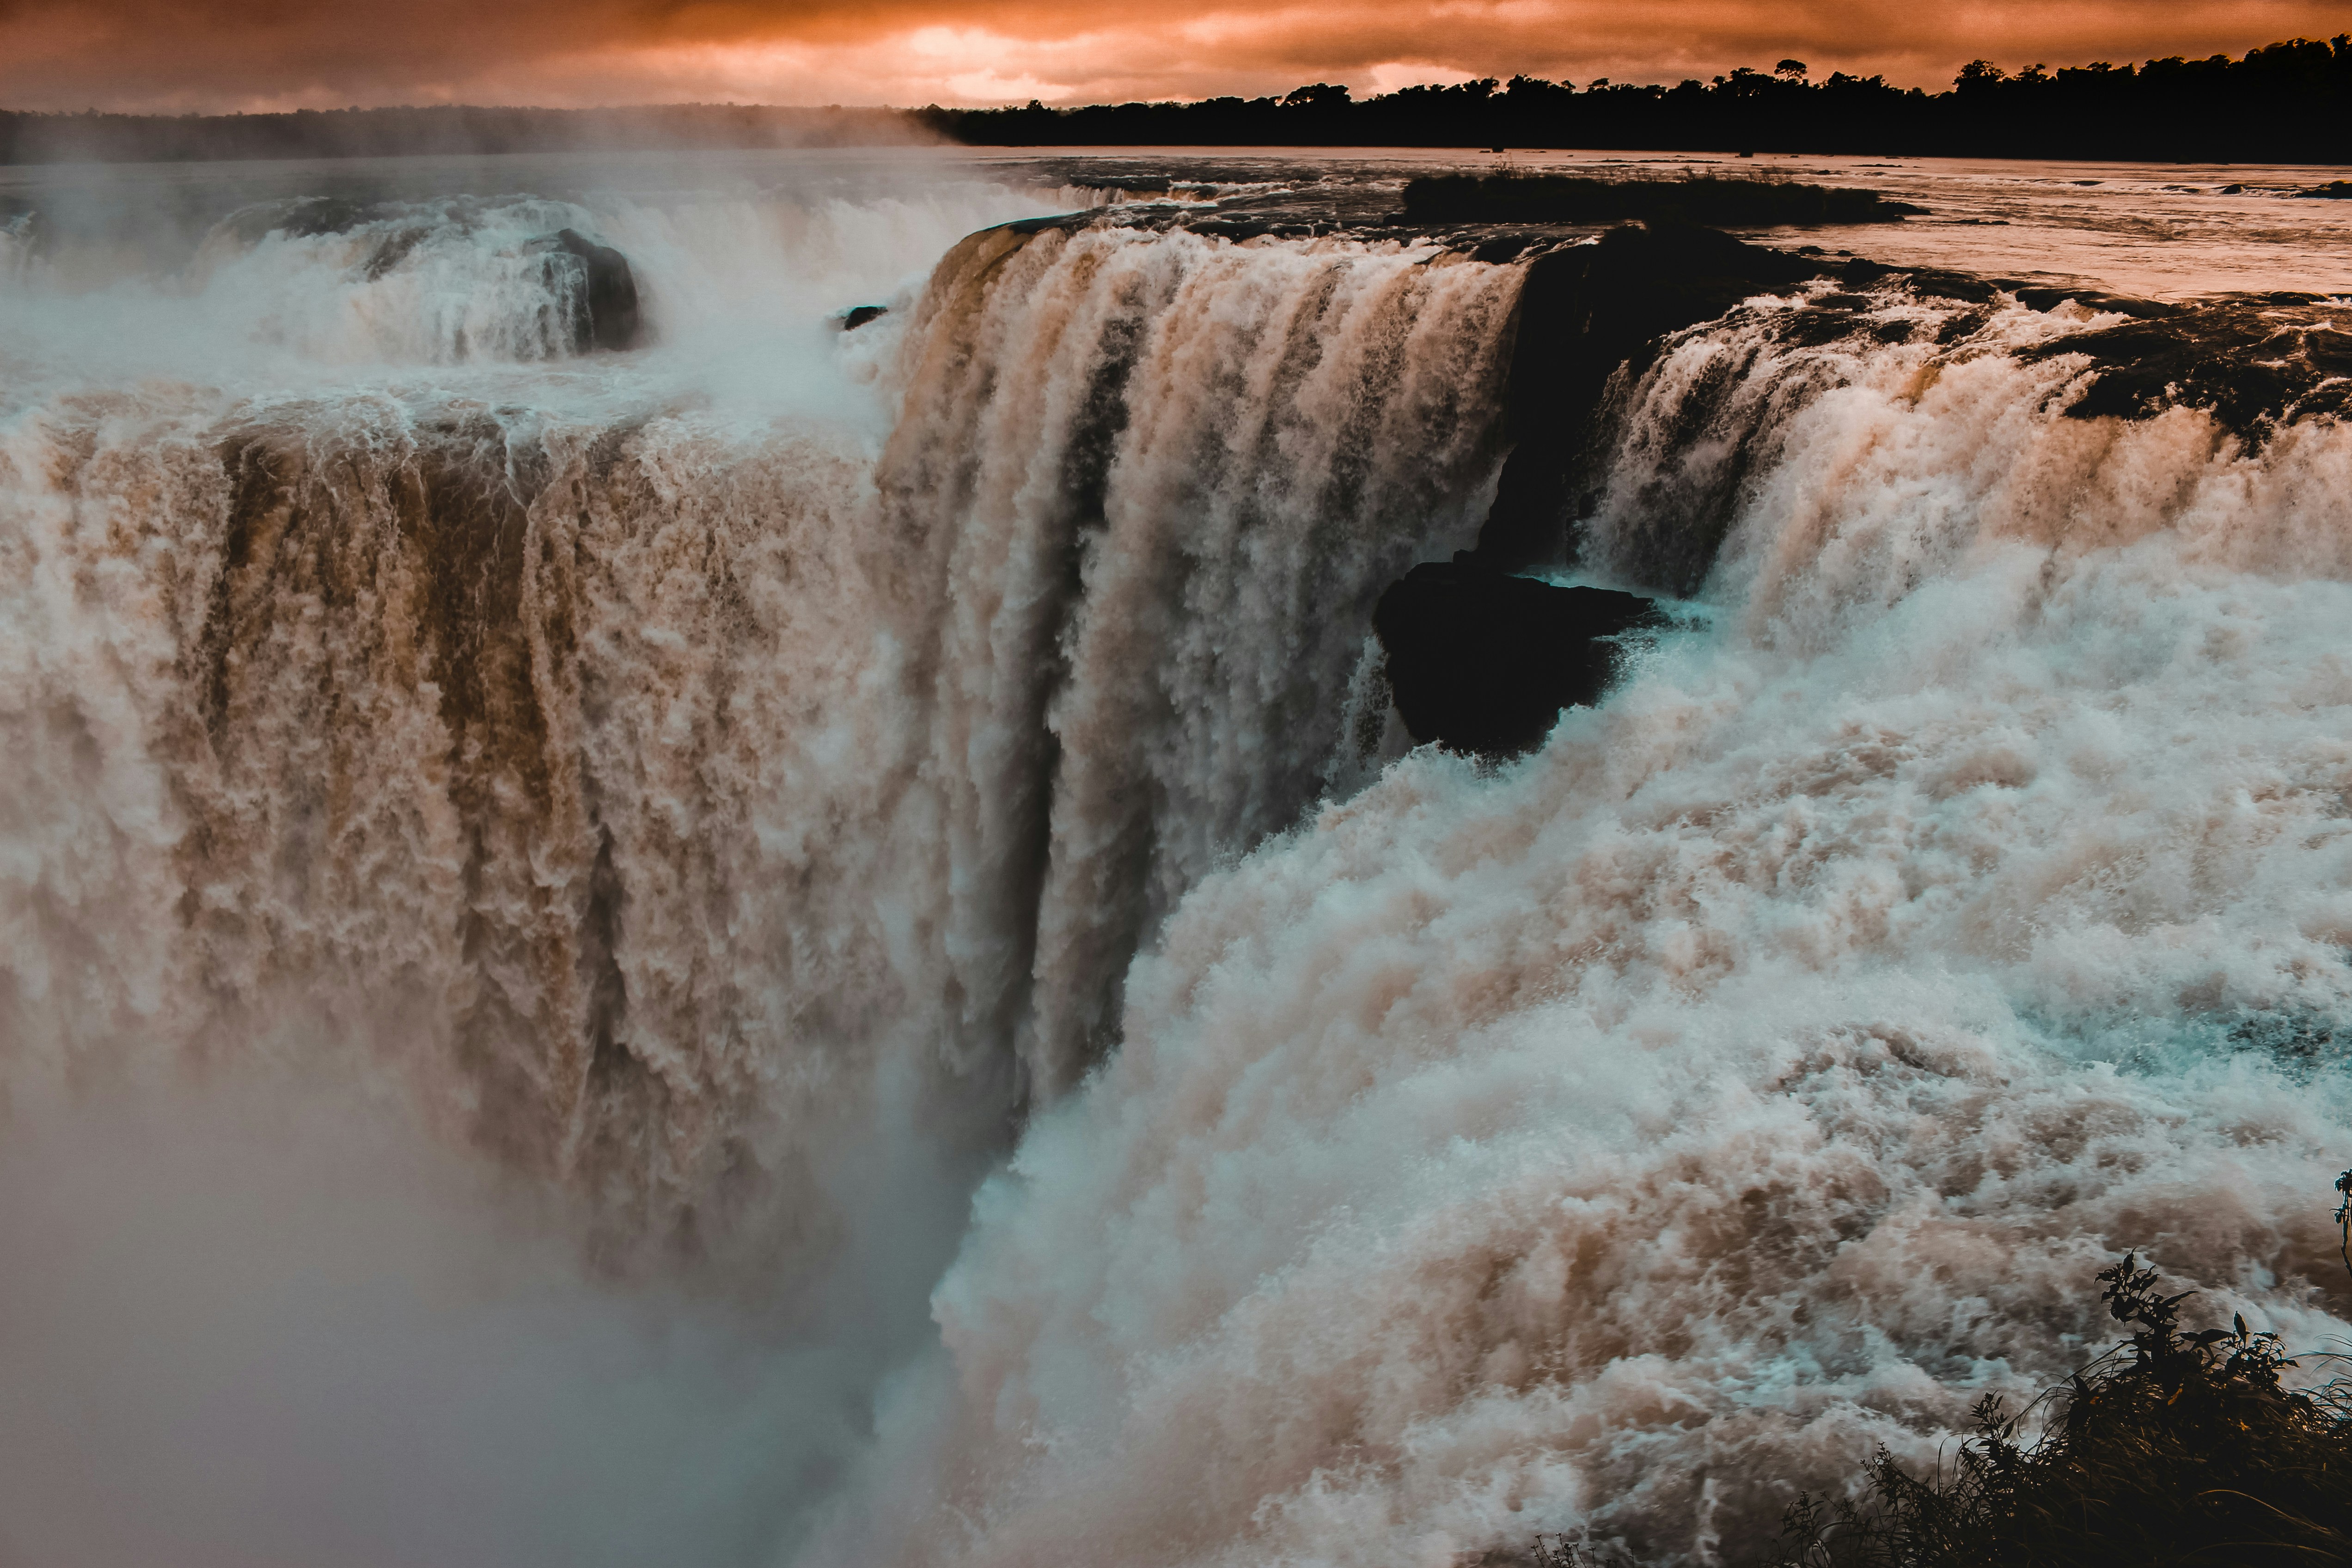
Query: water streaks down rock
{"type": "Point", "coordinates": [599, 292]}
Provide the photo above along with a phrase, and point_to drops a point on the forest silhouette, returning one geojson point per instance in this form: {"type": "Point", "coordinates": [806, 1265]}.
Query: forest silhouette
{"type": "Point", "coordinates": [2285, 102]}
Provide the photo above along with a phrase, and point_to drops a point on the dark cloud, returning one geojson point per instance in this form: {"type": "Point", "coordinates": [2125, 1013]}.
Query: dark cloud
{"type": "Point", "coordinates": [252, 54]}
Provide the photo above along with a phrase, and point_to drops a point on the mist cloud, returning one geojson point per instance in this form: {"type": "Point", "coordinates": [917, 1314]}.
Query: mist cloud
{"type": "Point", "coordinates": [256, 1328]}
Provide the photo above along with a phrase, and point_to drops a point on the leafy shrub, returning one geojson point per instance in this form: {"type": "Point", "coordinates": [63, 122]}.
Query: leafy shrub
{"type": "Point", "coordinates": [2172, 1448]}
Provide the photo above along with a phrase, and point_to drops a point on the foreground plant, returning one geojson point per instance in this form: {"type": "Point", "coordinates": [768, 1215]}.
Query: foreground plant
{"type": "Point", "coordinates": [2171, 1449]}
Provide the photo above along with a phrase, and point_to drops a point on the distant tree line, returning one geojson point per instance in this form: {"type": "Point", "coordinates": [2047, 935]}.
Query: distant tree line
{"type": "Point", "coordinates": [2286, 102]}
{"type": "Point", "coordinates": [32, 138]}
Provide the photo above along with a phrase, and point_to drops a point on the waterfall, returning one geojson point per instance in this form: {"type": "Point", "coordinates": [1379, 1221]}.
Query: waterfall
{"type": "Point", "coordinates": [1614, 1142]}
{"type": "Point", "coordinates": [890, 845]}
{"type": "Point", "coordinates": [1150, 486]}
{"type": "Point", "coordinates": [635, 785]}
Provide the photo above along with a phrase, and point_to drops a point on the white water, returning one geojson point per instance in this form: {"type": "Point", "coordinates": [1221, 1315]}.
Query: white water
{"type": "Point", "coordinates": [1755, 1076]}
{"type": "Point", "coordinates": [721, 786]}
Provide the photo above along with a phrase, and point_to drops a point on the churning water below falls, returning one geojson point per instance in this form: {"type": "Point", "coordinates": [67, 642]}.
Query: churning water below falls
{"type": "Point", "coordinates": [636, 929]}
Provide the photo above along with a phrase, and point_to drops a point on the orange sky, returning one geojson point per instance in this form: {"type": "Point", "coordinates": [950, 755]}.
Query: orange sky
{"type": "Point", "coordinates": [279, 54]}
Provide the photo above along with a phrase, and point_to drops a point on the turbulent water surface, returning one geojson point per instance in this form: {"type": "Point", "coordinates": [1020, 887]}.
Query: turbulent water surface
{"type": "Point", "coordinates": [799, 945]}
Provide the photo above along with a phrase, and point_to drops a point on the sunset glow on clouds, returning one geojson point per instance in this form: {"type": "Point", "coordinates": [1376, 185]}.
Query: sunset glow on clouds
{"type": "Point", "coordinates": [277, 53]}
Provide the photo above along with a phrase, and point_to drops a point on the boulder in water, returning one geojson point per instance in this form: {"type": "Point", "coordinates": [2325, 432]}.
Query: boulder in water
{"type": "Point", "coordinates": [604, 309]}
{"type": "Point", "coordinates": [1482, 662]}
{"type": "Point", "coordinates": [858, 315]}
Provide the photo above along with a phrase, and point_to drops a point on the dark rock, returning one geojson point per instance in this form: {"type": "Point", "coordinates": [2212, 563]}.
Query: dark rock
{"type": "Point", "coordinates": [297, 217]}
{"type": "Point", "coordinates": [391, 250]}
{"type": "Point", "coordinates": [1584, 311]}
{"type": "Point", "coordinates": [2046, 298]}
{"type": "Point", "coordinates": [1935, 283]}
{"type": "Point", "coordinates": [1551, 198]}
{"type": "Point", "coordinates": [2334, 190]}
{"type": "Point", "coordinates": [604, 296]}
{"type": "Point", "coordinates": [1507, 246]}
{"type": "Point", "coordinates": [2252, 362]}
{"type": "Point", "coordinates": [1482, 662]}
{"type": "Point", "coordinates": [302, 217]}
{"type": "Point", "coordinates": [858, 315]}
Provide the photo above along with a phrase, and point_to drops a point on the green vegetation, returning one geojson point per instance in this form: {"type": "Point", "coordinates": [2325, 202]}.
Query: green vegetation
{"type": "Point", "coordinates": [2172, 1448]}
{"type": "Point", "coordinates": [1702, 198]}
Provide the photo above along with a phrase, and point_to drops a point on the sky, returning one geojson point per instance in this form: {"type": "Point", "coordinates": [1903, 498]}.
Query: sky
{"type": "Point", "coordinates": [252, 55]}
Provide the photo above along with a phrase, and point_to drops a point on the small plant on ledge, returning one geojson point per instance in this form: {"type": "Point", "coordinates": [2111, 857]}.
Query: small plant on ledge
{"type": "Point", "coordinates": [2171, 1449]}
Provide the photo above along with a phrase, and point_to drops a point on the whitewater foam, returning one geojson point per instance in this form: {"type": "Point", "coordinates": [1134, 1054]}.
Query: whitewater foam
{"type": "Point", "coordinates": [1611, 1144]}
{"type": "Point", "coordinates": [755, 787]}
{"type": "Point", "coordinates": [689, 808]}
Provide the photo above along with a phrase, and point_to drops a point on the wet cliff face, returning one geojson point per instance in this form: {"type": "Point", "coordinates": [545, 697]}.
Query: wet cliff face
{"type": "Point", "coordinates": [640, 785]}
{"type": "Point", "coordinates": [1481, 660]}
{"type": "Point", "coordinates": [1157, 488]}
{"type": "Point", "coordinates": [1587, 313]}
{"type": "Point", "coordinates": [1600, 1142]}
{"type": "Point", "coordinates": [1595, 317]}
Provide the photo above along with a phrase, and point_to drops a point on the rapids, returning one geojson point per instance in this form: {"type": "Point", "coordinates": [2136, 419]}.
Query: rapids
{"type": "Point", "coordinates": [820, 946]}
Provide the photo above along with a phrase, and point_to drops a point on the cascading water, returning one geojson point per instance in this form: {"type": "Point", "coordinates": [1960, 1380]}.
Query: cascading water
{"type": "Point", "coordinates": [592, 758]}
{"type": "Point", "coordinates": [1152, 485]}
{"type": "Point", "coordinates": [706, 812]}
{"type": "Point", "coordinates": [1611, 1144]}
{"type": "Point", "coordinates": [744, 785]}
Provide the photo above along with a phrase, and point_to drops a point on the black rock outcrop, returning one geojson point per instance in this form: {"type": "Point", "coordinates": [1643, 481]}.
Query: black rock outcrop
{"type": "Point", "coordinates": [856, 315]}
{"type": "Point", "coordinates": [1482, 662]}
{"type": "Point", "coordinates": [604, 298]}
{"type": "Point", "coordinates": [1584, 311]}
{"type": "Point", "coordinates": [2252, 360]}
{"type": "Point", "coordinates": [1745, 202]}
